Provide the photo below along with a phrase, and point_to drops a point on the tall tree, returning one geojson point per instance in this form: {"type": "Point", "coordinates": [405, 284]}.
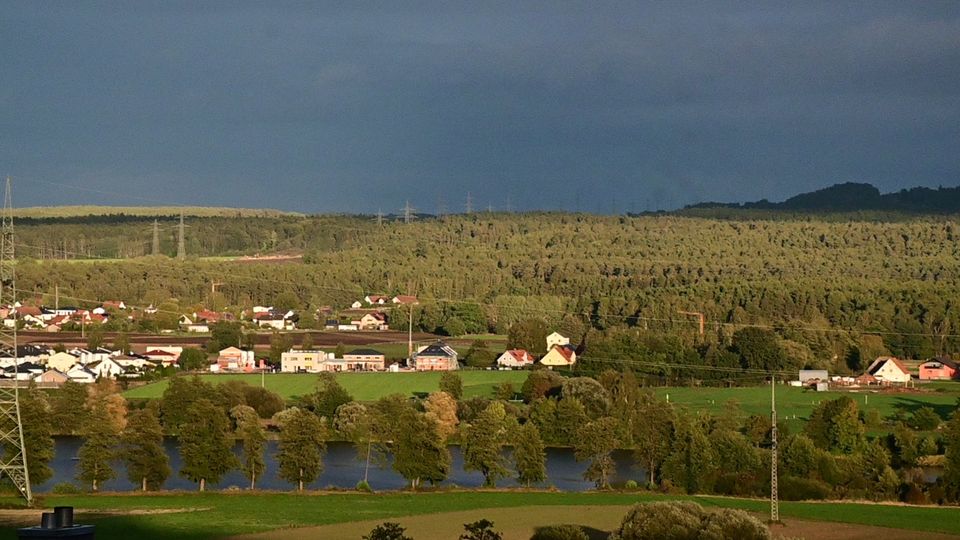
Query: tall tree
{"type": "Point", "coordinates": [951, 472]}
{"type": "Point", "coordinates": [418, 451]}
{"type": "Point", "coordinates": [99, 449]}
{"type": "Point", "coordinates": [142, 448]}
{"type": "Point", "coordinates": [442, 409]}
{"type": "Point", "coordinates": [596, 442]}
{"type": "Point", "coordinates": [300, 452]}
{"type": "Point", "coordinates": [67, 407]}
{"type": "Point", "coordinates": [692, 460]}
{"type": "Point", "coordinates": [178, 399]}
{"type": "Point", "coordinates": [252, 439]}
{"type": "Point", "coordinates": [328, 395]}
{"type": "Point", "coordinates": [529, 456]}
{"type": "Point", "coordinates": [356, 423]}
{"type": "Point", "coordinates": [451, 383]}
{"type": "Point", "coordinates": [483, 442]}
{"type": "Point", "coordinates": [205, 444]}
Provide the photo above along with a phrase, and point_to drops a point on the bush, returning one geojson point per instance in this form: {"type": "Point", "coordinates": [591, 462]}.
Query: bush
{"type": "Point", "coordinates": [925, 419]}
{"type": "Point", "coordinates": [66, 488]}
{"type": "Point", "coordinates": [480, 530]}
{"type": "Point", "coordinates": [688, 521]}
{"type": "Point", "coordinates": [630, 484]}
{"type": "Point", "coordinates": [803, 489]}
{"type": "Point", "coordinates": [913, 494]}
{"type": "Point", "coordinates": [364, 486]}
{"type": "Point", "coordinates": [559, 532]}
{"type": "Point", "coordinates": [387, 531]}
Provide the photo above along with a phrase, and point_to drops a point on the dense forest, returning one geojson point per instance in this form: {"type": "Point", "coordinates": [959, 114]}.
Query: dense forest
{"type": "Point", "coordinates": [835, 293]}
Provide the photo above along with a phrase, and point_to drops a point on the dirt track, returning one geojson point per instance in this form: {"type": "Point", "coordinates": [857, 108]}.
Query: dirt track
{"type": "Point", "coordinates": [519, 524]}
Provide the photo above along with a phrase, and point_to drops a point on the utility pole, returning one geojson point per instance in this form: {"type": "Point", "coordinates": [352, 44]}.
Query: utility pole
{"type": "Point", "coordinates": [181, 245]}
{"type": "Point", "coordinates": [56, 297]}
{"type": "Point", "coordinates": [13, 462]}
{"type": "Point", "coordinates": [469, 206]}
{"type": "Point", "coordinates": [410, 334]}
{"type": "Point", "coordinates": [156, 238]}
{"type": "Point", "coordinates": [379, 217]}
{"type": "Point", "coordinates": [700, 318]}
{"type": "Point", "coordinates": [774, 488]}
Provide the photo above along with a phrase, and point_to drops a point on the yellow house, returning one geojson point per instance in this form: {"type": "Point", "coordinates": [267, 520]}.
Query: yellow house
{"type": "Point", "coordinates": [560, 356]}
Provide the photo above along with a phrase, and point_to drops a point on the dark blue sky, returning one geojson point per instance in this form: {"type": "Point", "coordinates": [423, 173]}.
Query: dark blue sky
{"type": "Point", "coordinates": [554, 105]}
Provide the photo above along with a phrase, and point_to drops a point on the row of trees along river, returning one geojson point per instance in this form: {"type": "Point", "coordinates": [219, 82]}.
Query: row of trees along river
{"type": "Point", "coordinates": [609, 429]}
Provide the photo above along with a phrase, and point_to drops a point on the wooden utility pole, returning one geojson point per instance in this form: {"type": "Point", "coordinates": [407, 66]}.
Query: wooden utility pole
{"type": "Point", "coordinates": [700, 318]}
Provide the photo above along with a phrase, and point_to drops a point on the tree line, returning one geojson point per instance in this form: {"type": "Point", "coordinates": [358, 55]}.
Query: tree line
{"type": "Point", "coordinates": [681, 450]}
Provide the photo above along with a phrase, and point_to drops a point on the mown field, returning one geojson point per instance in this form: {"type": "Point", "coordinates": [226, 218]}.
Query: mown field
{"type": "Point", "coordinates": [362, 386]}
{"type": "Point", "coordinates": [219, 515]}
{"type": "Point", "coordinates": [795, 404]}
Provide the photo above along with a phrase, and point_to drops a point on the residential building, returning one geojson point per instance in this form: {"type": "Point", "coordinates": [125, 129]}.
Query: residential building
{"type": "Point", "coordinates": [404, 299]}
{"type": "Point", "coordinates": [515, 358]}
{"type": "Point", "coordinates": [62, 361]}
{"type": "Point", "coordinates": [365, 360]}
{"type": "Point", "coordinates": [376, 299]}
{"type": "Point", "coordinates": [234, 359]}
{"type": "Point", "coordinates": [560, 356]}
{"type": "Point", "coordinates": [296, 361]}
{"type": "Point", "coordinates": [887, 369]}
{"type": "Point", "coordinates": [81, 375]}
{"type": "Point", "coordinates": [555, 339]}
{"type": "Point", "coordinates": [808, 376]}
{"type": "Point", "coordinates": [51, 377]}
{"type": "Point", "coordinates": [942, 368]}
{"type": "Point", "coordinates": [108, 368]}
{"type": "Point", "coordinates": [436, 357]}
{"type": "Point", "coordinates": [374, 320]}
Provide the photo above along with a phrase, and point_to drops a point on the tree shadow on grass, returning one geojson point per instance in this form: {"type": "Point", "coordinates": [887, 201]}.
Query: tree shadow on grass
{"type": "Point", "coordinates": [596, 534]}
{"type": "Point", "coordinates": [910, 405]}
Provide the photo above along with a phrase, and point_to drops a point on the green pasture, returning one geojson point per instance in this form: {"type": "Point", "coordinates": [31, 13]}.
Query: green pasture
{"type": "Point", "coordinates": [362, 386]}
{"type": "Point", "coordinates": [218, 514]}
{"type": "Point", "coordinates": [794, 405]}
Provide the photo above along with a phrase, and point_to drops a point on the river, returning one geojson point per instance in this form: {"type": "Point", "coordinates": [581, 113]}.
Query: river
{"type": "Point", "coordinates": [341, 470]}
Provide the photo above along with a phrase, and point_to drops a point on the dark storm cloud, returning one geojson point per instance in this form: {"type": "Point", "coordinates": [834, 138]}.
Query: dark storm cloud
{"type": "Point", "coordinates": [579, 106]}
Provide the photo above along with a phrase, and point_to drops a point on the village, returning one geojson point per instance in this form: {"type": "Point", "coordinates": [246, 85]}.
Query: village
{"type": "Point", "coordinates": [52, 365]}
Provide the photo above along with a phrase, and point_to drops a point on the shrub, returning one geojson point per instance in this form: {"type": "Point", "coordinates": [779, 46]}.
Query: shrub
{"type": "Point", "coordinates": [913, 494]}
{"type": "Point", "coordinates": [630, 484]}
{"type": "Point", "coordinates": [559, 532]}
{"type": "Point", "coordinates": [925, 419]}
{"type": "Point", "coordinates": [688, 521]}
{"type": "Point", "coordinates": [66, 488]}
{"type": "Point", "coordinates": [480, 530]}
{"type": "Point", "coordinates": [387, 531]}
{"type": "Point", "coordinates": [364, 486]}
{"type": "Point", "coordinates": [803, 489]}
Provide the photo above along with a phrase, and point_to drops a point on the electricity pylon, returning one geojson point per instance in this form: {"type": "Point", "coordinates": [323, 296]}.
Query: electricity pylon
{"type": "Point", "coordinates": [774, 480]}
{"type": "Point", "coordinates": [13, 461]}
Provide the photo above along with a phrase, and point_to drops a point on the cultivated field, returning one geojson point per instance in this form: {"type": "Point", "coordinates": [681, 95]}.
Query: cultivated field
{"type": "Point", "coordinates": [220, 515]}
{"type": "Point", "coordinates": [362, 386]}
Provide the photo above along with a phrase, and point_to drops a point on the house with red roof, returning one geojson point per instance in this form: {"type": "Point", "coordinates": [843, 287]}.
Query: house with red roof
{"type": "Point", "coordinates": [376, 299]}
{"type": "Point", "coordinates": [560, 356]}
{"type": "Point", "coordinates": [404, 300]}
{"type": "Point", "coordinates": [515, 358]}
{"type": "Point", "coordinates": [887, 370]}
{"type": "Point", "coordinates": [374, 320]}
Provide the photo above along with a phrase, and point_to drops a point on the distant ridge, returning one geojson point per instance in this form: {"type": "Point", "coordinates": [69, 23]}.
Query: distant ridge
{"type": "Point", "coordinates": [41, 212]}
{"type": "Point", "coordinates": [854, 197]}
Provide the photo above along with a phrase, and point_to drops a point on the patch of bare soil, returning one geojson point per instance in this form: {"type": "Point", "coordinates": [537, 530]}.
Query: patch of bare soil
{"type": "Point", "coordinates": [598, 521]}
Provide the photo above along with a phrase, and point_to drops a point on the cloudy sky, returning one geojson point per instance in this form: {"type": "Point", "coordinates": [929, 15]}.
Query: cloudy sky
{"type": "Point", "coordinates": [590, 106]}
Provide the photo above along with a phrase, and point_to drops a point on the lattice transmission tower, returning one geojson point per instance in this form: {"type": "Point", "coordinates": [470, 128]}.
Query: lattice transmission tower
{"type": "Point", "coordinates": [774, 480]}
{"type": "Point", "coordinates": [13, 460]}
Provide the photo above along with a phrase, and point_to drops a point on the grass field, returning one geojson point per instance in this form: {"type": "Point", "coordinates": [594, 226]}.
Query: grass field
{"type": "Point", "coordinates": [362, 386]}
{"type": "Point", "coordinates": [218, 515]}
{"type": "Point", "coordinates": [795, 404]}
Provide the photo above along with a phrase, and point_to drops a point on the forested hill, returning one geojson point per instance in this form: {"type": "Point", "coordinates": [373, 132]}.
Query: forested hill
{"type": "Point", "coordinates": [854, 197]}
{"type": "Point", "coordinates": [821, 284]}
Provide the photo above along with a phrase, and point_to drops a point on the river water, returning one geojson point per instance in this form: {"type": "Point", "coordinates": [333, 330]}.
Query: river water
{"type": "Point", "coordinates": [341, 470]}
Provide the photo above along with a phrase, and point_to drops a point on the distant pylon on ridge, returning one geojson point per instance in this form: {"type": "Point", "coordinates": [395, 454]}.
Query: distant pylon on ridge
{"type": "Point", "coordinates": [181, 243]}
{"type": "Point", "coordinates": [13, 461]}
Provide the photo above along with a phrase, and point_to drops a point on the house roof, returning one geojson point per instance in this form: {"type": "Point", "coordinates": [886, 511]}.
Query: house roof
{"type": "Point", "coordinates": [565, 350]}
{"type": "Point", "coordinates": [378, 315]}
{"type": "Point", "coordinates": [438, 349]}
{"type": "Point", "coordinates": [520, 355]}
{"type": "Point", "coordinates": [365, 352]}
{"type": "Point", "coordinates": [945, 360]}
{"type": "Point", "coordinates": [29, 310]}
{"type": "Point", "coordinates": [405, 299]}
{"type": "Point", "coordinates": [882, 361]}
{"type": "Point", "coordinates": [377, 297]}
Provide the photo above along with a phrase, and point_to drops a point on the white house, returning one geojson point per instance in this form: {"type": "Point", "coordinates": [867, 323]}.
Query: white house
{"type": "Point", "coordinates": [108, 368]}
{"type": "Point", "coordinates": [190, 325]}
{"type": "Point", "coordinates": [234, 359]}
{"type": "Point", "coordinates": [81, 374]}
{"type": "Point", "coordinates": [376, 299]}
{"type": "Point", "coordinates": [375, 320]}
{"type": "Point", "coordinates": [887, 369]}
{"type": "Point", "coordinates": [555, 339]}
{"type": "Point", "coordinates": [515, 358]}
{"type": "Point", "coordinates": [296, 361]}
